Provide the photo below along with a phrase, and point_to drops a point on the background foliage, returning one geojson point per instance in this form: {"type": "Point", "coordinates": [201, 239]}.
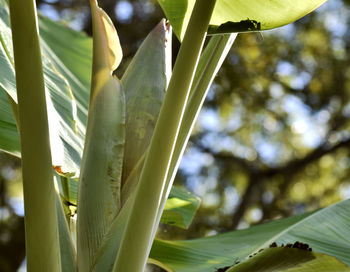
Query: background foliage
{"type": "Point", "coordinates": [273, 139]}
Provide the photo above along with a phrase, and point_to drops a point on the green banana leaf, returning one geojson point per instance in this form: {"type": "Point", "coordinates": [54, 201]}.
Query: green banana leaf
{"type": "Point", "coordinates": [9, 136]}
{"type": "Point", "coordinates": [325, 231]}
{"type": "Point", "coordinates": [240, 15]}
{"type": "Point", "coordinates": [290, 260]}
{"type": "Point", "coordinates": [66, 89]}
{"type": "Point", "coordinates": [71, 52]}
{"type": "Point", "coordinates": [180, 208]}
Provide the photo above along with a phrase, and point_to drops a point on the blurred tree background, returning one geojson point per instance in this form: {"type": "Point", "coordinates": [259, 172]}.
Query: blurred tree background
{"type": "Point", "coordinates": [272, 139]}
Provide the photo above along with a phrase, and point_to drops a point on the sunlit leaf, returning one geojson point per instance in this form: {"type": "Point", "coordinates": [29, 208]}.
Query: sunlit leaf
{"type": "Point", "coordinates": [180, 208]}
{"type": "Point", "coordinates": [67, 89]}
{"type": "Point", "coordinates": [9, 136]}
{"type": "Point", "coordinates": [325, 231]}
{"type": "Point", "coordinates": [240, 15]}
{"type": "Point", "coordinates": [281, 259]}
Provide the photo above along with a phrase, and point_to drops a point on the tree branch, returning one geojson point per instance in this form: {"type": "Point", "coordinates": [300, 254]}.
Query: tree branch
{"type": "Point", "coordinates": [257, 176]}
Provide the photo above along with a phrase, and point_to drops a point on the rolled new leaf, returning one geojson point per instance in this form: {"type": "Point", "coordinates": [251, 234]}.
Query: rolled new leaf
{"type": "Point", "coordinates": [144, 84]}
{"type": "Point", "coordinates": [100, 178]}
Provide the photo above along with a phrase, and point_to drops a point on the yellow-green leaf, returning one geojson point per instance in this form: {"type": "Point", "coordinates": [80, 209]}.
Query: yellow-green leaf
{"type": "Point", "coordinates": [283, 259]}
{"type": "Point", "coordinates": [325, 231]}
{"type": "Point", "coordinates": [240, 15]}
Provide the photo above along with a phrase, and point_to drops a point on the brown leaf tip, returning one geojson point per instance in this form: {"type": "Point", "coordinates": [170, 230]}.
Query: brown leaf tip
{"type": "Point", "coordinates": [58, 169]}
{"type": "Point", "coordinates": [297, 244]}
{"type": "Point", "coordinates": [223, 269]}
{"type": "Point", "coordinates": [167, 25]}
{"type": "Point", "coordinates": [273, 244]}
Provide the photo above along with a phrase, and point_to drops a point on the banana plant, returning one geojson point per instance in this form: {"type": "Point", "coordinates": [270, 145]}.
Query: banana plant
{"type": "Point", "coordinates": [99, 154]}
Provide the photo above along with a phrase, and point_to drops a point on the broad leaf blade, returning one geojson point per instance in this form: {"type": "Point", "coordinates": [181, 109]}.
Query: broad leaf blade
{"type": "Point", "coordinates": [67, 116]}
{"type": "Point", "coordinates": [71, 53]}
{"type": "Point", "coordinates": [9, 136]}
{"type": "Point", "coordinates": [290, 260]}
{"type": "Point", "coordinates": [325, 231]}
{"type": "Point", "coordinates": [73, 50]}
{"type": "Point", "coordinates": [240, 15]}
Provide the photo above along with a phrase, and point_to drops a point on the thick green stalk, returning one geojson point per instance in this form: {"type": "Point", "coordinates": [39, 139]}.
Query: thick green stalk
{"type": "Point", "coordinates": [138, 237]}
{"type": "Point", "coordinates": [42, 245]}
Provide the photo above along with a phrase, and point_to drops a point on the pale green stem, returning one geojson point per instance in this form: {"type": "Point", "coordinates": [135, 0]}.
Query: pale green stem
{"type": "Point", "coordinates": [42, 245]}
{"type": "Point", "coordinates": [210, 62]}
{"type": "Point", "coordinates": [138, 237]}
